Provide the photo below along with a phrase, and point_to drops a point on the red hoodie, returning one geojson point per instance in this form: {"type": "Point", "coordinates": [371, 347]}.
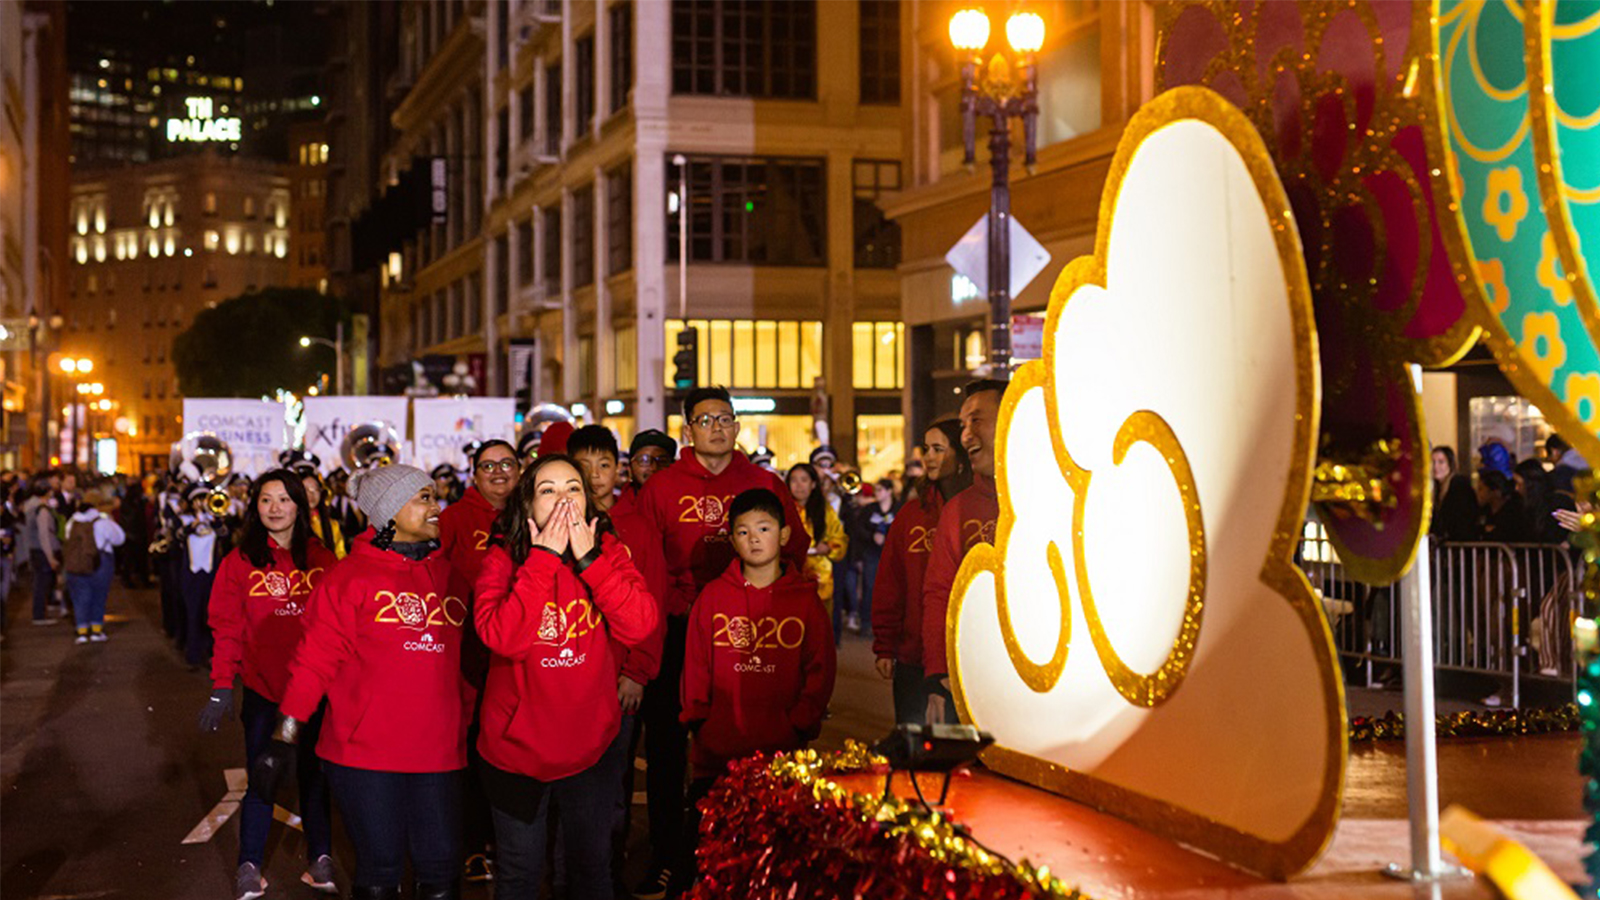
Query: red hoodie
{"type": "Point", "coordinates": [258, 616]}
{"type": "Point", "coordinates": [643, 661]}
{"type": "Point", "coordinates": [966, 521]}
{"type": "Point", "coordinates": [758, 668]}
{"type": "Point", "coordinates": [688, 506]}
{"type": "Point", "coordinates": [550, 706]}
{"type": "Point", "coordinates": [897, 594]}
{"type": "Point", "coordinates": [384, 645]}
{"type": "Point", "coordinates": [464, 528]}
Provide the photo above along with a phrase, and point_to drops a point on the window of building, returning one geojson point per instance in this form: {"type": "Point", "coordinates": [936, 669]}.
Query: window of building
{"type": "Point", "coordinates": [758, 211]}
{"type": "Point", "coordinates": [877, 237]}
{"type": "Point", "coordinates": [880, 51]}
{"type": "Point", "coordinates": [583, 71]}
{"type": "Point", "coordinates": [249, 207]}
{"type": "Point", "coordinates": [586, 365]}
{"type": "Point", "coordinates": [625, 374]}
{"type": "Point", "coordinates": [209, 206]}
{"type": "Point", "coordinates": [525, 252]}
{"type": "Point", "coordinates": [525, 112]}
{"type": "Point", "coordinates": [583, 236]}
{"type": "Point", "coordinates": [745, 48]}
{"type": "Point", "coordinates": [619, 220]}
{"type": "Point", "coordinates": [621, 54]}
{"type": "Point", "coordinates": [552, 109]}
{"type": "Point", "coordinates": [752, 354]}
{"type": "Point", "coordinates": [877, 355]}
{"type": "Point", "coordinates": [502, 270]}
{"type": "Point", "coordinates": [502, 125]}
{"type": "Point", "coordinates": [550, 252]}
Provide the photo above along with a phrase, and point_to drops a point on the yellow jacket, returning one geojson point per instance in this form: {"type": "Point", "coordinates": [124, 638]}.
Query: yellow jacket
{"type": "Point", "coordinates": [336, 543]}
{"type": "Point", "coordinates": [821, 565]}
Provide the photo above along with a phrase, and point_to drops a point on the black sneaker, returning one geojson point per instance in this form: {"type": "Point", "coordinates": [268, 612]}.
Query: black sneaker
{"type": "Point", "coordinates": [478, 869]}
{"type": "Point", "coordinates": [655, 885]}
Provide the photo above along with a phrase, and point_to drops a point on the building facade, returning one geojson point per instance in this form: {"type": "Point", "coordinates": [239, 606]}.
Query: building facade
{"type": "Point", "coordinates": [548, 131]}
{"type": "Point", "coordinates": [308, 205]}
{"type": "Point", "coordinates": [151, 246]}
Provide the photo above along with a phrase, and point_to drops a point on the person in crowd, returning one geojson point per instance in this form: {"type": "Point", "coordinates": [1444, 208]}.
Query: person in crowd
{"type": "Point", "coordinates": [10, 532]}
{"type": "Point", "coordinates": [258, 614]}
{"type": "Point", "coordinates": [594, 448]}
{"type": "Point", "coordinates": [759, 668]}
{"type": "Point", "coordinates": [383, 645]}
{"type": "Point", "coordinates": [875, 511]}
{"type": "Point", "coordinates": [44, 548]}
{"type": "Point", "coordinates": [464, 531]}
{"type": "Point", "coordinates": [551, 599]}
{"type": "Point", "coordinates": [237, 486]}
{"type": "Point", "coordinates": [527, 448]}
{"type": "Point", "coordinates": [686, 504]}
{"type": "Point", "coordinates": [649, 452]}
{"type": "Point", "coordinates": [1501, 516]}
{"type": "Point", "coordinates": [967, 520]}
{"type": "Point", "coordinates": [340, 504]}
{"type": "Point", "coordinates": [87, 559]}
{"type": "Point", "coordinates": [1455, 507]}
{"type": "Point", "coordinates": [325, 526]}
{"type": "Point", "coordinates": [201, 541]}
{"type": "Point", "coordinates": [554, 438]}
{"type": "Point", "coordinates": [824, 532]}
{"type": "Point", "coordinates": [897, 591]}
{"type": "Point", "coordinates": [137, 518]}
{"type": "Point", "coordinates": [764, 458]}
{"type": "Point", "coordinates": [913, 474]}
{"type": "Point", "coordinates": [1566, 465]}
{"type": "Point", "coordinates": [1532, 484]}
{"type": "Point", "coordinates": [446, 484]}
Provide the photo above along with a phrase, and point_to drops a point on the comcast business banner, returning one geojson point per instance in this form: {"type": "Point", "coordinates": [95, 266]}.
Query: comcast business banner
{"type": "Point", "coordinates": [329, 419]}
{"type": "Point", "coordinates": [442, 426]}
{"type": "Point", "coordinates": [254, 429]}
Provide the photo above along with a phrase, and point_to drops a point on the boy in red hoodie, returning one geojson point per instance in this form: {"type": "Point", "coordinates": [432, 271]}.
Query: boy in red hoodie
{"type": "Point", "coordinates": [687, 505]}
{"type": "Point", "coordinates": [759, 666]}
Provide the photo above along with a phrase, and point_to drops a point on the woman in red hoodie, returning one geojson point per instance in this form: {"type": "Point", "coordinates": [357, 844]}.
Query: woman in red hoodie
{"type": "Point", "coordinates": [897, 593]}
{"type": "Point", "coordinates": [384, 647]}
{"type": "Point", "coordinates": [550, 599]}
{"type": "Point", "coordinates": [258, 615]}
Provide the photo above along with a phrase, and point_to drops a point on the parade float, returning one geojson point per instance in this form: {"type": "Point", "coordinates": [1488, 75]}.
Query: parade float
{"type": "Point", "coordinates": [1320, 199]}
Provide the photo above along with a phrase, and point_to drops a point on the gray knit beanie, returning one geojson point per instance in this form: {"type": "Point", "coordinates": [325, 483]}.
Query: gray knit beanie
{"type": "Point", "coordinates": [380, 491]}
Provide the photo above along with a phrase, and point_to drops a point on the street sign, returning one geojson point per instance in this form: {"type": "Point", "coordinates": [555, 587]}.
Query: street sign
{"type": "Point", "coordinates": [1027, 336]}
{"type": "Point", "coordinates": [970, 256]}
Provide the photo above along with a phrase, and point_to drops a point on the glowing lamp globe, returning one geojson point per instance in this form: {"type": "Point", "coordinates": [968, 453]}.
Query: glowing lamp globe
{"type": "Point", "coordinates": [1025, 31]}
{"type": "Point", "coordinates": [969, 30]}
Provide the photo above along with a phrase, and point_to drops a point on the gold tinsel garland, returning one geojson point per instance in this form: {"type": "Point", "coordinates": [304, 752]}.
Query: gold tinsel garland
{"type": "Point", "coordinates": [942, 839]}
{"type": "Point", "coordinates": [1492, 723]}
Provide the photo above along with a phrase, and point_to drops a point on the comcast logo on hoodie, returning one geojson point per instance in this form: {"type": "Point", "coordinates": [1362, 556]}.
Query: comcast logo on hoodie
{"type": "Point", "coordinates": [566, 659]}
{"type": "Point", "coordinates": [425, 644]}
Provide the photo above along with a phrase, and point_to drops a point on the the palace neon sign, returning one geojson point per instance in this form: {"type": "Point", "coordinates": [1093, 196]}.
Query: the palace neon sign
{"type": "Point", "coordinates": [201, 127]}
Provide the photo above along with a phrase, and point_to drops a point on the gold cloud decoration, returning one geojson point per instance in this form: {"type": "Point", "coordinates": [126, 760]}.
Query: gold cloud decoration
{"type": "Point", "coordinates": [1138, 637]}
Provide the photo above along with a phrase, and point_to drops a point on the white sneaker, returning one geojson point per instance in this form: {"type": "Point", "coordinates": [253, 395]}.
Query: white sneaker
{"type": "Point", "coordinates": [98, 637]}
{"type": "Point", "coordinates": [81, 639]}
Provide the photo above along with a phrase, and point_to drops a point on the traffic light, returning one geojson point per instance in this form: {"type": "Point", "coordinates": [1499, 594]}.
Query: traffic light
{"type": "Point", "coordinates": [686, 362]}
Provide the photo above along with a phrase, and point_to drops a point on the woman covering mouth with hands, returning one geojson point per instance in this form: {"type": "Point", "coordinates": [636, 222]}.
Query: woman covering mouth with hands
{"type": "Point", "coordinates": [553, 593]}
{"type": "Point", "coordinates": [384, 647]}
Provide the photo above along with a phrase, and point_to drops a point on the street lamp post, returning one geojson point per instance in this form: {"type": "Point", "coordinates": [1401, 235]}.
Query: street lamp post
{"type": "Point", "coordinates": [75, 368]}
{"type": "Point", "coordinates": [993, 90]}
{"type": "Point", "coordinates": [337, 345]}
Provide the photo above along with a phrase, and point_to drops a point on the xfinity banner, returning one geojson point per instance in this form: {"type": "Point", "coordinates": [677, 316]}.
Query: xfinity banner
{"type": "Point", "coordinates": [444, 425]}
{"type": "Point", "coordinates": [329, 419]}
{"type": "Point", "coordinates": [254, 429]}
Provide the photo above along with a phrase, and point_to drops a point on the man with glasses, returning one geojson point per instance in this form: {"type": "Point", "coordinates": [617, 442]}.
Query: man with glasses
{"type": "Point", "coordinates": [687, 505]}
{"type": "Point", "coordinates": [650, 452]}
{"type": "Point", "coordinates": [464, 529]}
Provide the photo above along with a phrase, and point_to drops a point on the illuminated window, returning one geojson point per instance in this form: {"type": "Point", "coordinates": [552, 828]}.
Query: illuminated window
{"type": "Point", "coordinates": [752, 353]}
{"type": "Point", "coordinates": [626, 354]}
{"type": "Point", "coordinates": [168, 217]}
{"type": "Point", "coordinates": [322, 155]}
{"type": "Point", "coordinates": [171, 246]}
{"type": "Point", "coordinates": [249, 207]}
{"type": "Point", "coordinates": [153, 247]}
{"type": "Point", "coordinates": [211, 239]}
{"type": "Point", "coordinates": [211, 204]}
{"type": "Point", "coordinates": [99, 249]}
{"type": "Point", "coordinates": [100, 218]}
{"type": "Point", "coordinates": [249, 242]}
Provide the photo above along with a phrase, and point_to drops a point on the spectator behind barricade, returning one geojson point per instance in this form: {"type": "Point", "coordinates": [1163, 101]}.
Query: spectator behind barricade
{"type": "Point", "coordinates": [1567, 464]}
{"type": "Point", "coordinates": [1501, 516]}
{"type": "Point", "coordinates": [1495, 455]}
{"type": "Point", "coordinates": [1532, 484]}
{"type": "Point", "coordinates": [1455, 507]}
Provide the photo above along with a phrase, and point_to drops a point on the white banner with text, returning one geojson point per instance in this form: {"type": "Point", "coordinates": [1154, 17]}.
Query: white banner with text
{"type": "Point", "coordinates": [254, 429]}
{"type": "Point", "coordinates": [329, 419]}
{"type": "Point", "coordinates": [443, 426]}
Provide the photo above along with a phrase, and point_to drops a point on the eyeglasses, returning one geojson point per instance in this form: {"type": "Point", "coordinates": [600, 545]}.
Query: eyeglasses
{"type": "Point", "coordinates": [653, 462]}
{"type": "Point", "coordinates": [488, 466]}
{"type": "Point", "coordinates": [706, 420]}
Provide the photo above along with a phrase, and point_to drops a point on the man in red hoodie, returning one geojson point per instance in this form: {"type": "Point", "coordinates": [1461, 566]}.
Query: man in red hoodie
{"type": "Point", "coordinates": [759, 666]}
{"type": "Point", "coordinates": [966, 521]}
{"type": "Point", "coordinates": [687, 504]}
{"type": "Point", "coordinates": [464, 530]}
{"type": "Point", "coordinates": [651, 452]}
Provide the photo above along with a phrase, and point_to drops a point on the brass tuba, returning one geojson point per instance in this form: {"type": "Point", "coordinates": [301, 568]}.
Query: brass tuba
{"type": "Point", "coordinates": [212, 461]}
{"type": "Point", "coordinates": [850, 483]}
{"type": "Point", "coordinates": [374, 443]}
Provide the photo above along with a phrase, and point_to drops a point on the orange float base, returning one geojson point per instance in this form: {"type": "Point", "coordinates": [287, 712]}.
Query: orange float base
{"type": "Point", "coordinates": [1105, 857]}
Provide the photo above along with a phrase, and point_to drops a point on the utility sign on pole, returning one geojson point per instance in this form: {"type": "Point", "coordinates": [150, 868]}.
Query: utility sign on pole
{"type": "Point", "coordinates": [970, 256]}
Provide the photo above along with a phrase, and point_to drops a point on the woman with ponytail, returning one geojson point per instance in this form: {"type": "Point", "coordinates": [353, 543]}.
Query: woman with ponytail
{"type": "Point", "coordinates": [384, 647]}
{"type": "Point", "coordinates": [258, 614]}
{"type": "Point", "coordinates": [552, 595]}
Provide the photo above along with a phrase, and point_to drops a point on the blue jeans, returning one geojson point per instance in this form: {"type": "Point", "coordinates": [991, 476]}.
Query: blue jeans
{"type": "Point", "coordinates": [89, 594]}
{"type": "Point", "coordinates": [259, 716]}
{"type": "Point", "coordinates": [44, 581]}
{"type": "Point", "coordinates": [588, 813]}
{"type": "Point", "coordinates": [389, 813]}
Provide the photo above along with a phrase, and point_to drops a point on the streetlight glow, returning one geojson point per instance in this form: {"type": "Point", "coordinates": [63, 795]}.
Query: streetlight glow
{"type": "Point", "coordinates": [69, 365]}
{"type": "Point", "coordinates": [85, 366]}
{"type": "Point", "coordinates": [305, 342]}
{"type": "Point", "coordinates": [1025, 31]}
{"type": "Point", "coordinates": [969, 30]}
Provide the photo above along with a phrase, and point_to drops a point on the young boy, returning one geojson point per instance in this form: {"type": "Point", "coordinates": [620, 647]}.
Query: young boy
{"type": "Point", "coordinates": [759, 665]}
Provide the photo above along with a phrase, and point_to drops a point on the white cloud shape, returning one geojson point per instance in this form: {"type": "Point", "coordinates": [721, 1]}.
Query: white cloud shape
{"type": "Point", "coordinates": [1163, 448]}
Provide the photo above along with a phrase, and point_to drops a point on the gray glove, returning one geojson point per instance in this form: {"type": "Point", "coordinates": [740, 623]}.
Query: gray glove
{"type": "Point", "coordinates": [217, 708]}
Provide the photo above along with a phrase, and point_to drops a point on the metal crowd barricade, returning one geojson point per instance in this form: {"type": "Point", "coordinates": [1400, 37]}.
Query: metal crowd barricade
{"type": "Point", "coordinates": [1499, 609]}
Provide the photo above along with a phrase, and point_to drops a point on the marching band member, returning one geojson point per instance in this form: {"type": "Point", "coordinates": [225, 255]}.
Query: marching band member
{"type": "Point", "coordinates": [384, 646]}
{"type": "Point", "coordinates": [201, 541]}
{"type": "Point", "coordinates": [258, 605]}
{"type": "Point", "coordinates": [324, 525]}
